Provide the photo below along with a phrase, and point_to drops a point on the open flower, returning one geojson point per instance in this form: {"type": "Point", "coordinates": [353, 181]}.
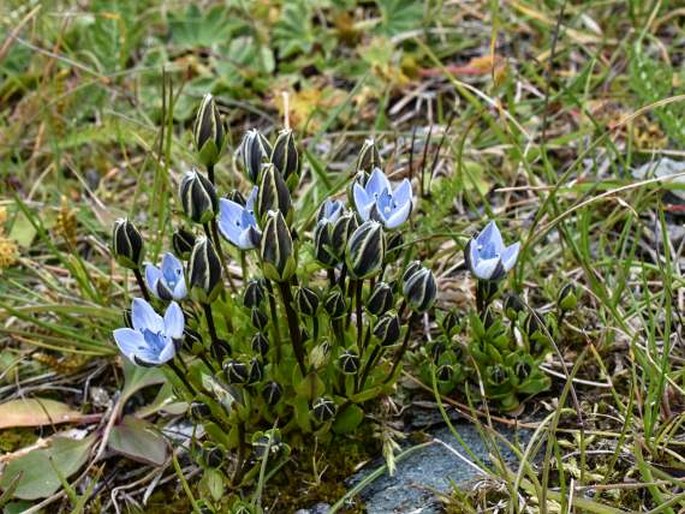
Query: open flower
{"type": "Point", "coordinates": [166, 282]}
{"type": "Point", "coordinates": [152, 340]}
{"type": "Point", "coordinates": [487, 257]}
{"type": "Point", "coordinates": [377, 200]}
{"type": "Point", "coordinates": [330, 211]}
{"type": "Point", "coordinates": [237, 223]}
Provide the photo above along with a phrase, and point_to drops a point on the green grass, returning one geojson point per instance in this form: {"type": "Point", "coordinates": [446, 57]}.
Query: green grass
{"type": "Point", "coordinates": [87, 113]}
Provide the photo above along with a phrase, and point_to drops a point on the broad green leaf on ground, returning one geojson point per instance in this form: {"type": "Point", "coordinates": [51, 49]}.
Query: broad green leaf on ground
{"type": "Point", "coordinates": [137, 439]}
{"type": "Point", "coordinates": [35, 412]}
{"type": "Point", "coordinates": [40, 470]}
{"type": "Point", "coordinates": [137, 378]}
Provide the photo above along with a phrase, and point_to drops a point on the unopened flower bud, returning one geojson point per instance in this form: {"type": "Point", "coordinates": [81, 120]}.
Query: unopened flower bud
{"type": "Point", "coordinates": [199, 410]}
{"type": "Point", "coordinates": [236, 372]}
{"type": "Point", "coordinates": [256, 371]}
{"type": "Point", "coordinates": [182, 241]}
{"type": "Point", "coordinates": [395, 242]}
{"type": "Point", "coordinates": [413, 267]}
{"type": "Point", "coordinates": [271, 393]}
{"type": "Point", "coordinates": [368, 158]}
{"type": "Point", "coordinates": [192, 341]}
{"type": "Point", "coordinates": [220, 350]}
{"type": "Point", "coordinates": [307, 301]}
{"type": "Point", "coordinates": [284, 156]}
{"type": "Point", "coordinates": [198, 197]}
{"type": "Point", "coordinates": [322, 245]}
{"type": "Point", "coordinates": [420, 290]}
{"type": "Point", "coordinates": [444, 373]}
{"type": "Point", "coordinates": [255, 150]}
{"type": "Point", "coordinates": [532, 324]}
{"type": "Point", "coordinates": [334, 304]}
{"type": "Point", "coordinates": [450, 322]}
{"type": "Point", "coordinates": [324, 409]}
{"type": "Point", "coordinates": [318, 357]}
{"type": "Point", "coordinates": [349, 362]}
{"type": "Point", "coordinates": [259, 319]}
{"type": "Point", "coordinates": [204, 272]}
{"type": "Point", "coordinates": [568, 298]}
{"type": "Point", "coordinates": [366, 250]}
{"type": "Point", "coordinates": [260, 344]}
{"type": "Point", "coordinates": [437, 350]}
{"type": "Point", "coordinates": [127, 244]}
{"type": "Point", "coordinates": [253, 296]}
{"type": "Point", "coordinates": [273, 193]}
{"type": "Point", "coordinates": [277, 253]}
{"type": "Point", "coordinates": [380, 299]}
{"type": "Point", "coordinates": [344, 226]}
{"type": "Point", "coordinates": [512, 305]}
{"type": "Point", "coordinates": [237, 197]}
{"type": "Point", "coordinates": [208, 132]}
{"type": "Point", "coordinates": [387, 329]}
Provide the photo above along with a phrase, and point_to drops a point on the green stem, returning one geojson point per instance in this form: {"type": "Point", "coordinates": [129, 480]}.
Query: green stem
{"type": "Point", "coordinates": [375, 355]}
{"type": "Point", "coordinates": [141, 284]}
{"type": "Point", "coordinates": [210, 174]}
{"type": "Point", "coordinates": [210, 323]}
{"type": "Point", "coordinates": [293, 325]}
{"type": "Point", "coordinates": [181, 376]}
{"type": "Point", "coordinates": [403, 349]}
{"type": "Point", "coordinates": [358, 305]}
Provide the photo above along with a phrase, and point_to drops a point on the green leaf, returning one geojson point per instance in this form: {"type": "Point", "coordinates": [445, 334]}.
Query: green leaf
{"type": "Point", "coordinates": [348, 420]}
{"type": "Point", "coordinates": [138, 377]}
{"type": "Point", "coordinates": [22, 231]}
{"type": "Point", "coordinates": [138, 440]}
{"type": "Point", "coordinates": [35, 412]}
{"type": "Point", "coordinates": [213, 481]}
{"type": "Point", "coordinates": [40, 470]}
{"type": "Point", "coordinates": [310, 387]}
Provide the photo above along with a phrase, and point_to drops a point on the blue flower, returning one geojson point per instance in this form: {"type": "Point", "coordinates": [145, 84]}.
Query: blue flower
{"type": "Point", "coordinates": [377, 200]}
{"type": "Point", "coordinates": [152, 340]}
{"type": "Point", "coordinates": [237, 223]}
{"type": "Point", "coordinates": [167, 281]}
{"type": "Point", "coordinates": [330, 211]}
{"type": "Point", "coordinates": [487, 257]}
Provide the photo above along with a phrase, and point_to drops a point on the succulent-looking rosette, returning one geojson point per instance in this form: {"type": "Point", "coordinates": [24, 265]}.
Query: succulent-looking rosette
{"type": "Point", "coordinates": [166, 282]}
{"type": "Point", "coordinates": [237, 223]}
{"type": "Point", "coordinates": [487, 257]}
{"type": "Point", "coordinates": [379, 201]}
{"type": "Point", "coordinates": [152, 339]}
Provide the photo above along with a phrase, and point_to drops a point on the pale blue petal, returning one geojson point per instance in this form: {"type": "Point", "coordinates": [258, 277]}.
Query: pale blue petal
{"type": "Point", "coordinates": [485, 268]}
{"type": "Point", "coordinates": [173, 321]}
{"type": "Point", "coordinates": [509, 256]}
{"type": "Point", "coordinates": [362, 201]}
{"type": "Point", "coordinates": [473, 255]}
{"type": "Point", "coordinates": [230, 216]}
{"type": "Point", "coordinates": [167, 352]}
{"type": "Point", "coordinates": [180, 291]}
{"type": "Point", "coordinates": [377, 183]}
{"type": "Point", "coordinates": [152, 276]}
{"type": "Point", "coordinates": [129, 341]}
{"type": "Point", "coordinates": [402, 192]}
{"type": "Point", "coordinates": [172, 267]}
{"type": "Point", "coordinates": [249, 203]}
{"type": "Point", "coordinates": [399, 216]}
{"type": "Point", "coordinates": [490, 241]}
{"type": "Point", "coordinates": [143, 316]}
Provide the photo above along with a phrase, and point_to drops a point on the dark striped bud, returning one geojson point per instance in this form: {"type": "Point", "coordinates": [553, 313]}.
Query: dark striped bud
{"type": "Point", "coordinates": [199, 411]}
{"type": "Point", "coordinates": [259, 319]}
{"type": "Point", "coordinates": [253, 296]}
{"type": "Point", "coordinates": [220, 350]}
{"type": "Point", "coordinates": [413, 267]}
{"type": "Point", "coordinates": [444, 373]}
{"type": "Point", "coordinates": [394, 250]}
{"type": "Point", "coordinates": [273, 194]}
{"type": "Point", "coordinates": [260, 344]}
{"type": "Point", "coordinates": [512, 305]}
{"type": "Point", "coordinates": [387, 329]}
{"type": "Point", "coordinates": [209, 134]}
{"type": "Point", "coordinates": [214, 457]}
{"type": "Point", "coordinates": [256, 373]}
{"type": "Point", "coordinates": [182, 241]}
{"type": "Point", "coordinates": [368, 158]}
{"type": "Point", "coordinates": [380, 299]}
{"type": "Point", "coordinates": [128, 323]}
{"type": "Point", "coordinates": [271, 393]}
{"type": "Point", "coordinates": [450, 322]}
{"type": "Point", "coordinates": [277, 252]}
{"type": "Point", "coordinates": [322, 244]}
{"type": "Point", "coordinates": [340, 234]}
{"type": "Point", "coordinates": [349, 362]}
{"type": "Point", "coordinates": [496, 375]}
{"type": "Point", "coordinates": [420, 290]}
{"type": "Point", "coordinates": [192, 341]}
{"type": "Point", "coordinates": [255, 150]}
{"type": "Point", "coordinates": [198, 197]}
{"type": "Point", "coordinates": [567, 298]}
{"type": "Point", "coordinates": [237, 197]}
{"type": "Point", "coordinates": [204, 272]}
{"type": "Point", "coordinates": [284, 156]}
{"type": "Point", "coordinates": [532, 324]}
{"type": "Point", "coordinates": [334, 304]}
{"type": "Point", "coordinates": [366, 250]}
{"type": "Point", "coordinates": [307, 301]}
{"type": "Point", "coordinates": [324, 409]}
{"type": "Point", "coordinates": [236, 372]}
{"type": "Point", "coordinates": [128, 247]}
{"type": "Point", "coordinates": [437, 350]}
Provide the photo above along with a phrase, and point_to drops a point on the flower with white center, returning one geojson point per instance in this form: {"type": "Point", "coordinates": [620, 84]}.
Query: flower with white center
{"type": "Point", "coordinates": [237, 223]}
{"type": "Point", "coordinates": [487, 257]}
{"type": "Point", "coordinates": [166, 282]}
{"type": "Point", "coordinates": [330, 211]}
{"type": "Point", "coordinates": [379, 201]}
{"type": "Point", "coordinates": [152, 339]}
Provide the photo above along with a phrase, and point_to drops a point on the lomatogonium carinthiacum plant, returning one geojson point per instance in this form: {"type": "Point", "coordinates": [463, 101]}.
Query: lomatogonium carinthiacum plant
{"type": "Point", "coordinates": [319, 319]}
